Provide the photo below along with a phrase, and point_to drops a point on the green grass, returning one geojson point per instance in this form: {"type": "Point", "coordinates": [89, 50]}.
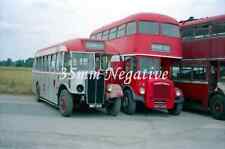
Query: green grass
{"type": "Point", "coordinates": [14, 80]}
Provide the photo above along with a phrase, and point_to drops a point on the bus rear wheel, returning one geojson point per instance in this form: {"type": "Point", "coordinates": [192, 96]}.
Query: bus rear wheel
{"type": "Point", "coordinates": [65, 103]}
{"type": "Point", "coordinates": [128, 103]}
{"type": "Point", "coordinates": [217, 107]}
{"type": "Point", "coordinates": [114, 107]}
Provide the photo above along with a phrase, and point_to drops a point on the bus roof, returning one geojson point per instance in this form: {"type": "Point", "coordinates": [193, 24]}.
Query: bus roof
{"type": "Point", "coordinates": [193, 22]}
{"type": "Point", "coordinates": [79, 45]}
{"type": "Point", "coordinates": [140, 16]}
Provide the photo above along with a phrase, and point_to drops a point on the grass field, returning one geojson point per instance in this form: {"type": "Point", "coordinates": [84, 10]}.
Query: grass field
{"type": "Point", "coordinates": [14, 80]}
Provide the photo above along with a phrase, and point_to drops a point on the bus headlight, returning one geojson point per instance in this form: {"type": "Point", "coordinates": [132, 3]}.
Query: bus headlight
{"type": "Point", "coordinates": [80, 88]}
{"type": "Point", "coordinates": [109, 88]}
{"type": "Point", "coordinates": [142, 90]}
{"type": "Point", "coordinates": [178, 92]}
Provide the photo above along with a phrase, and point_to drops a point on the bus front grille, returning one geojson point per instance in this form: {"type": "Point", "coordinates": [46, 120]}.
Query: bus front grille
{"type": "Point", "coordinates": [161, 91]}
{"type": "Point", "coordinates": [95, 90]}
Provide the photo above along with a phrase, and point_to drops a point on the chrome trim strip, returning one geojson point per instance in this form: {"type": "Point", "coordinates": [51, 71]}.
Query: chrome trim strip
{"type": "Point", "coordinates": [193, 82]}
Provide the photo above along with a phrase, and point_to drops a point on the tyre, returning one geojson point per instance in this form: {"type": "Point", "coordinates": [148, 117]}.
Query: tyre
{"type": "Point", "coordinates": [37, 95]}
{"type": "Point", "coordinates": [128, 103]}
{"type": "Point", "coordinates": [65, 103]}
{"type": "Point", "coordinates": [114, 107]}
{"type": "Point", "coordinates": [177, 109]}
{"type": "Point", "coordinates": [217, 106]}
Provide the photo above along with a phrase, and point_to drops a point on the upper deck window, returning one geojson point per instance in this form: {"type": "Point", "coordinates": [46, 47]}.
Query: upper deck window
{"type": "Point", "coordinates": [201, 31]}
{"type": "Point", "coordinates": [105, 35]}
{"type": "Point", "coordinates": [148, 27]}
{"type": "Point", "coordinates": [113, 33]}
{"type": "Point", "coordinates": [99, 36]}
{"type": "Point", "coordinates": [170, 30]}
{"type": "Point", "coordinates": [121, 30]}
{"type": "Point", "coordinates": [219, 28]}
{"type": "Point", "coordinates": [187, 32]}
{"type": "Point", "coordinates": [131, 28]}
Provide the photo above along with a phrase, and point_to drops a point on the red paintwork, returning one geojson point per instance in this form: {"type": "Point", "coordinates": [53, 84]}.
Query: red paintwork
{"type": "Point", "coordinates": [219, 18]}
{"type": "Point", "coordinates": [204, 48]}
{"type": "Point", "coordinates": [194, 91]}
{"type": "Point", "coordinates": [79, 46]}
{"type": "Point", "coordinates": [140, 44]}
{"type": "Point", "coordinates": [139, 16]}
{"type": "Point", "coordinates": [201, 51]}
{"type": "Point", "coordinates": [211, 47]}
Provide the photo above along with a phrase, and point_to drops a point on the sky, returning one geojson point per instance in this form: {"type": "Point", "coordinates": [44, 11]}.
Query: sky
{"type": "Point", "coordinates": [28, 25]}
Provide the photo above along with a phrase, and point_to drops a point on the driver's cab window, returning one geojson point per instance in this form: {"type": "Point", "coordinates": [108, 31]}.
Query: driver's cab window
{"type": "Point", "coordinates": [67, 61]}
{"type": "Point", "coordinates": [97, 62]}
{"type": "Point", "coordinates": [101, 62]}
{"type": "Point", "coordinates": [105, 62]}
{"type": "Point", "coordinates": [130, 63]}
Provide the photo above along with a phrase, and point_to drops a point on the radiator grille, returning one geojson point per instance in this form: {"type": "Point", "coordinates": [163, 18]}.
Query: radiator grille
{"type": "Point", "coordinates": [161, 91]}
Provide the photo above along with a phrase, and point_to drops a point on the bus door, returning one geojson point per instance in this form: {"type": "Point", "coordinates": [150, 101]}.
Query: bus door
{"type": "Point", "coordinates": [221, 80]}
{"type": "Point", "coordinates": [213, 74]}
{"type": "Point", "coordinates": [51, 79]}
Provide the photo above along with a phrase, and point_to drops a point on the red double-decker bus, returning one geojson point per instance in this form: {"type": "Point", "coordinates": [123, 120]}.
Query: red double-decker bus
{"type": "Point", "coordinates": [201, 74]}
{"type": "Point", "coordinates": [146, 41]}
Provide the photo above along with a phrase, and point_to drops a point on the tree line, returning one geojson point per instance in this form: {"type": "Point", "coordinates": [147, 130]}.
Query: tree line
{"type": "Point", "coordinates": [17, 63]}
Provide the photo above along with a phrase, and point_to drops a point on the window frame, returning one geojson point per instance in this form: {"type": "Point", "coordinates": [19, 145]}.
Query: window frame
{"type": "Point", "coordinates": [105, 35]}
{"type": "Point", "coordinates": [113, 33]}
{"type": "Point", "coordinates": [148, 21]}
{"type": "Point", "coordinates": [127, 28]}
{"type": "Point", "coordinates": [121, 28]}
{"type": "Point", "coordinates": [169, 35]}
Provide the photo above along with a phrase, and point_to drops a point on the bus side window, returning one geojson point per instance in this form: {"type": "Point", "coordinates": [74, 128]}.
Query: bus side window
{"type": "Point", "coordinates": [186, 73]}
{"type": "Point", "coordinates": [56, 61]}
{"type": "Point", "coordinates": [49, 63]}
{"type": "Point", "coordinates": [45, 63]}
{"type": "Point", "coordinates": [187, 33]}
{"type": "Point", "coordinates": [202, 31]}
{"type": "Point", "coordinates": [121, 30]}
{"type": "Point", "coordinates": [52, 66]}
{"type": "Point", "coordinates": [218, 28]}
{"type": "Point", "coordinates": [37, 63]}
{"type": "Point", "coordinates": [175, 72]}
{"type": "Point", "coordinates": [131, 28]}
{"type": "Point", "coordinates": [59, 62]}
{"type": "Point", "coordinates": [199, 73]}
{"type": "Point", "coordinates": [41, 64]}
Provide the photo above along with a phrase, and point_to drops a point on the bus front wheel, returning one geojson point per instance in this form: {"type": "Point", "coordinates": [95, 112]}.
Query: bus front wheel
{"type": "Point", "coordinates": [128, 102]}
{"type": "Point", "coordinates": [177, 109]}
{"type": "Point", "coordinates": [217, 106]}
{"type": "Point", "coordinates": [65, 103]}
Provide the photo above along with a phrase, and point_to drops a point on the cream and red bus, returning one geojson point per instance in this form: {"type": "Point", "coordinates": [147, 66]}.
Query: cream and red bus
{"type": "Point", "coordinates": [72, 73]}
{"type": "Point", "coordinates": [146, 41]}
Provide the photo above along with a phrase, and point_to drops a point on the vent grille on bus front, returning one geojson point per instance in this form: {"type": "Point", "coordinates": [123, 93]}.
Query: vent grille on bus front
{"type": "Point", "coordinates": [161, 91]}
{"type": "Point", "coordinates": [95, 90]}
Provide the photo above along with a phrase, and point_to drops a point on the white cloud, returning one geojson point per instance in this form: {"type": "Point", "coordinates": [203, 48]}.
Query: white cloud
{"type": "Point", "coordinates": [33, 24]}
